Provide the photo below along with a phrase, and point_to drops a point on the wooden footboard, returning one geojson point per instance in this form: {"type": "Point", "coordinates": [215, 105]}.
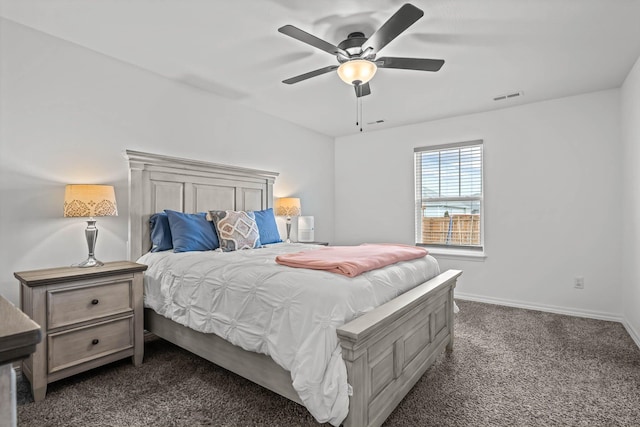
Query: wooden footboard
{"type": "Point", "coordinates": [389, 348]}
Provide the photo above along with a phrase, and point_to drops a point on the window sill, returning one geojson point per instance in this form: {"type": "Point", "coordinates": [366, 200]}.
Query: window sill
{"type": "Point", "coordinates": [469, 255]}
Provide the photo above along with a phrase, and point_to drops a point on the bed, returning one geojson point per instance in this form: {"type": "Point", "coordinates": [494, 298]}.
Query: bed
{"type": "Point", "coordinates": [385, 350]}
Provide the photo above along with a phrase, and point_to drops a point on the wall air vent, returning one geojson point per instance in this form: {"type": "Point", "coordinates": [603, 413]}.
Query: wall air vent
{"type": "Point", "coordinates": [377, 122]}
{"type": "Point", "coordinates": [508, 96]}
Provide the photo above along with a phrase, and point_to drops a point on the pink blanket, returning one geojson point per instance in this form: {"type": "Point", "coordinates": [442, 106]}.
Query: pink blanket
{"type": "Point", "coordinates": [352, 260]}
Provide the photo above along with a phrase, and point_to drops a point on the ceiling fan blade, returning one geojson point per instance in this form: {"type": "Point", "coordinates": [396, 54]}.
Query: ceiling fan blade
{"type": "Point", "coordinates": [400, 21]}
{"type": "Point", "coordinates": [363, 90]}
{"type": "Point", "coordinates": [314, 41]}
{"type": "Point", "coordinates": [310, 74]}
{"type": "Point", "coordinates": [410, 63]}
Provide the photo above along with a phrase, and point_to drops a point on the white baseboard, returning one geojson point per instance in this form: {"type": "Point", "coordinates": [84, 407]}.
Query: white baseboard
{"type": "Point", "coordinates": [635, 335]}
{"type": "Point", "coordinates": [546, 308]}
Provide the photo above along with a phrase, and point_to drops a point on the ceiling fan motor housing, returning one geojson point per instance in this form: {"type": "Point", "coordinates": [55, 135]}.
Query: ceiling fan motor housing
{"type": "Point", "coordinates": [353, 46]}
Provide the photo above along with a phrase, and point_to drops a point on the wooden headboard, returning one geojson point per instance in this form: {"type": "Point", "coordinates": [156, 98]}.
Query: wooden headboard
{"type": "Point", "coordinates": [159, 182]}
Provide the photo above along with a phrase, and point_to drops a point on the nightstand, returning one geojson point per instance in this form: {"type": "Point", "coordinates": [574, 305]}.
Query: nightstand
{"type": "Point", "coordinates": [89, 317]}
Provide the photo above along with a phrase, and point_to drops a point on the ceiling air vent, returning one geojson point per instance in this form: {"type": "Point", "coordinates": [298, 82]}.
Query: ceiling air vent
{"type": "Point", "coordinates": [508, 96]}
{"type": "Point", "coordinates": [377, 122]}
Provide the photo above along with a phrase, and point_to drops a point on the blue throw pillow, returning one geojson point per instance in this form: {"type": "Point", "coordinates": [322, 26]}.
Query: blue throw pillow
{"type": "Point", "coordinates": [267, 226]}
{"type": "Point", "coordinates": [160, 232]}
{"type": "Point", "coordinates": [191, 232]}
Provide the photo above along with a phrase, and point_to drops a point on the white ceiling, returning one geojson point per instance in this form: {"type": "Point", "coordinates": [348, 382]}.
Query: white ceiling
{"type": "Point", "coordinates": [545, 48]}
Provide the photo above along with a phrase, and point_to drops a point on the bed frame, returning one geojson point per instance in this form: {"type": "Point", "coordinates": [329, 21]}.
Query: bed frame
{"type": "Point", "coordinates": [386, 350]}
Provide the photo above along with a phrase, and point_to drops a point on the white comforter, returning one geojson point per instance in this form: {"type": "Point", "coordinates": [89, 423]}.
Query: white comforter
{"type": "Point", "coordinates": [288, 313]}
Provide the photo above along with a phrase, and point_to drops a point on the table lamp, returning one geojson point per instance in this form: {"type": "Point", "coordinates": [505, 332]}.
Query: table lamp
{"type": "Point", "coordinates": [288, 206]}
{"type": "Point", "coordinates": [88, 200]}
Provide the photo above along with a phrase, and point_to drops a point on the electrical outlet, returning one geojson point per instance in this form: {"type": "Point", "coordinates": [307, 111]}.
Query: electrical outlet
{"type": "Point", "coordinates": [578, 283]}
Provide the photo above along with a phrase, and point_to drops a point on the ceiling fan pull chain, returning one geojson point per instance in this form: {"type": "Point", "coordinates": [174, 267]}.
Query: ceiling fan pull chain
{"type": "Point", "coordinates": [357, 113]}
{"type": "Point", "coordinates": [360, 100]}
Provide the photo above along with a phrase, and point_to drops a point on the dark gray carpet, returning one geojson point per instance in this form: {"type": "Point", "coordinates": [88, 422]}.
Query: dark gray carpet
{"type": "Point", "coordinates": [510, 367]}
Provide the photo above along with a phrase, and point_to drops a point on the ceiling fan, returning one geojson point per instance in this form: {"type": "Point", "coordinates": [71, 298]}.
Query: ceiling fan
{"type": "Point", "coordinates": [357, 54]}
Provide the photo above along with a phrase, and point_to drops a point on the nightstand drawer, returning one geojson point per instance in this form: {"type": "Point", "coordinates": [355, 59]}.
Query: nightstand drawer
{"type": "Point", "coordinates": [81, 345]}
{"type": "Point", "coordinates": [69, 306]}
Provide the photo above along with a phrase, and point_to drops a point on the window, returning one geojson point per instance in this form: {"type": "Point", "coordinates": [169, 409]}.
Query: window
{"type": "Point", "coordinates": [449, 195]}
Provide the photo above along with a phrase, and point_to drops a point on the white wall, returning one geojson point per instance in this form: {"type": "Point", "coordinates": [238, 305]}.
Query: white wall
{"type": "Point", "coordinates": [630, 100]}
{"type": "Point", "coordinates": [66, 116]}
{"type": "Point", "coordinates": [552, 199]}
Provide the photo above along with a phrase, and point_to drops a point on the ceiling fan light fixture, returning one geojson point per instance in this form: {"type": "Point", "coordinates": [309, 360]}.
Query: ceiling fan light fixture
{"type": "Point", "coordinates": [357, 70]}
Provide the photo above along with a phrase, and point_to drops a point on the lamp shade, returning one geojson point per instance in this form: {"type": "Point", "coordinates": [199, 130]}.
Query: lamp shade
{"type": "Point", "coordinates": [357, 70]}
{"type": "Point", "coordinates": [288, 206]}
{"type": "Point", "coordinates": [88, 200]}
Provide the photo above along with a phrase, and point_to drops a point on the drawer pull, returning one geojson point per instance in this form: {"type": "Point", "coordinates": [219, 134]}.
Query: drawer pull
{"type": "Point", "coordinates": [95, 341]}
{"type": "Point", "coordinates": [94, 301]}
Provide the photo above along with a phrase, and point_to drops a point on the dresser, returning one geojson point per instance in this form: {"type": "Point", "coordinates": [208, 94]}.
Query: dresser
{"type": "Point", "coordinates": [89, 317]}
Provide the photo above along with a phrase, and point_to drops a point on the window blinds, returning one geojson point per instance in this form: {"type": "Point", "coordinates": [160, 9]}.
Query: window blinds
{"type": "Point", "coordinates": [449, 185]}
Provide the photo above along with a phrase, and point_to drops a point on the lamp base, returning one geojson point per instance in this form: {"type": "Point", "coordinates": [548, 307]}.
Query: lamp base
{"type": "Point", "coordinates": [89, 262]}
{"type": "Point", "coordinates": [288, 229]}
{"type": "Point", "coordinates": [91, 233]}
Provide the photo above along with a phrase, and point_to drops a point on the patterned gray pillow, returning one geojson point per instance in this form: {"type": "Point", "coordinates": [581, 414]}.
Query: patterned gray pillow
{"type": "Point", "coordinates": [236, 230]}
